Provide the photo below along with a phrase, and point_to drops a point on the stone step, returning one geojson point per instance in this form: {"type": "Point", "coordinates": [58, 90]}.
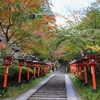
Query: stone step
{"type": "Point", "coordinates": [32, 98]}
{"type": "Point", "coordinates": [52, 90]}
{"type": "Point", "coordinates": [49, 93]}
{"type": "Point", "coordinates": [50, 96]}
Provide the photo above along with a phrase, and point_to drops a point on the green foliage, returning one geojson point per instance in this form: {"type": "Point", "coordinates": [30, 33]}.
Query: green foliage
{"type": "Point", "coordinates": [16, 15]}
{"type": "Point", "coordinates": [91, 19]}
{"type": "Point", "coordinates": [2, 68]}
{"type": "Point", "coordinates": [83, 35]}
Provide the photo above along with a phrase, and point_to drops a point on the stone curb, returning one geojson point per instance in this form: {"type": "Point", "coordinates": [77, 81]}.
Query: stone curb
{"type": "Point", "coordinates": [71, 92]}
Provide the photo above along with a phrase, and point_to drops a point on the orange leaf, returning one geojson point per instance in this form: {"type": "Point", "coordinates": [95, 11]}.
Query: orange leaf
{"type": "Point", "coordinates": [2, 45]}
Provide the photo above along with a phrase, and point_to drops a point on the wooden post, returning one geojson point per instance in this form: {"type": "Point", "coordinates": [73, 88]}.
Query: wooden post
{"type": "Point", "coordinates": [5, 77]}
{"type": "Point", "coordinates": [85, 73]}
{"type": "Point", "coordinates": [81, 73]}
{"type": "Point", "coordinates": [93, 78]}
{"type": "Point", "coordinates": [34, 73]}
{"type": "Point", "coordinates": [38, 71]}
{"type": "Point", "coordinates": [28, 74]}
{"type": "Point", "coordinates": [19, 76]}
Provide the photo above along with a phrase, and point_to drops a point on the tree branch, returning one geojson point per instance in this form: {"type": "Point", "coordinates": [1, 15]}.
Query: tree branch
{"type": "Point", "coordinates": [6, 33]}
{"type": "Point", "coordinates": [27, 4]}
{"type": "Point", "coordinates": [2, 28]}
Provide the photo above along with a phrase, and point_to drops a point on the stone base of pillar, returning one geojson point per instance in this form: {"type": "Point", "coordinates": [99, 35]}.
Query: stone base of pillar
{"type": "Point", "coordinates": [86, 84]}
{"type": "Point", "coordinates": [19, 84]}
{"type": "Point", "coordinates": [95, 90]}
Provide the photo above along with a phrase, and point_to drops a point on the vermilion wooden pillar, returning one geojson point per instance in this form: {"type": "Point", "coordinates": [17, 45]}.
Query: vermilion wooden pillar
{"type": "Point", "coordinates": [81, 73]}
{"type": "Point", "coordinates": [19, 76]}
{"type": "Point", "coordinates": [46, 69]}
{"type": "Point", "coordinates": [7, 62]}
{"type": "Point", "coordinates": [39, 71]}
{"type": "Point", "coordinates": [5, 77]}
{"type": "Point", "coordinates": [77, 70]}
{"type": "Point", "coordinates": [29, 64]}
{"type": "Point", "coordinates": [21, 63]}
{"type": "Point", "coordinates": [28, 73]}
{"type": "Point", "coordinates": [34, 73]}
{"type": "Point", "coordinates": [93, 78]}
{"type": "Point", "coordinates": [85, 74]}
{"type": "Point", "coordinates": [35, 66]}
{"type": "Point", "coordinates": [43, 70]}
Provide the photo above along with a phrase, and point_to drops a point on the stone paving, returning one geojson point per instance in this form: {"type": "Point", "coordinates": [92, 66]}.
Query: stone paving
{"type": "Point", "coordinates": [54, 89]}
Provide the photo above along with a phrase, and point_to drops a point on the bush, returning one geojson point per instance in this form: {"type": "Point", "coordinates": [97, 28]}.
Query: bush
{"type": "Point", "coordinates": [13, 74]}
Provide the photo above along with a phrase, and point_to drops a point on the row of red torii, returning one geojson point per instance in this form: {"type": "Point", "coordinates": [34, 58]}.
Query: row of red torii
{"type": "Point", "coordinates": [88, 60]}
{"type": "Point", "coordinates": [43, 68]}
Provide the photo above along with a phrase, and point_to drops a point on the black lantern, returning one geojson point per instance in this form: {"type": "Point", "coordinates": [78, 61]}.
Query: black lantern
{"type": "Point", "coordinates": [8, 60]}
{"type": "Point", "coordinates": [21, 61]}
{"type": "Point", "coordinates": [84, 61]}
{"type": "Point", "coordinates": [91, 57]}
{"type": "Point", "coordinates": [78, 62]}
{"type": "Point", "coordinates": [29, 62]}
{"type": "Point", "coordinates": [35, 60]}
